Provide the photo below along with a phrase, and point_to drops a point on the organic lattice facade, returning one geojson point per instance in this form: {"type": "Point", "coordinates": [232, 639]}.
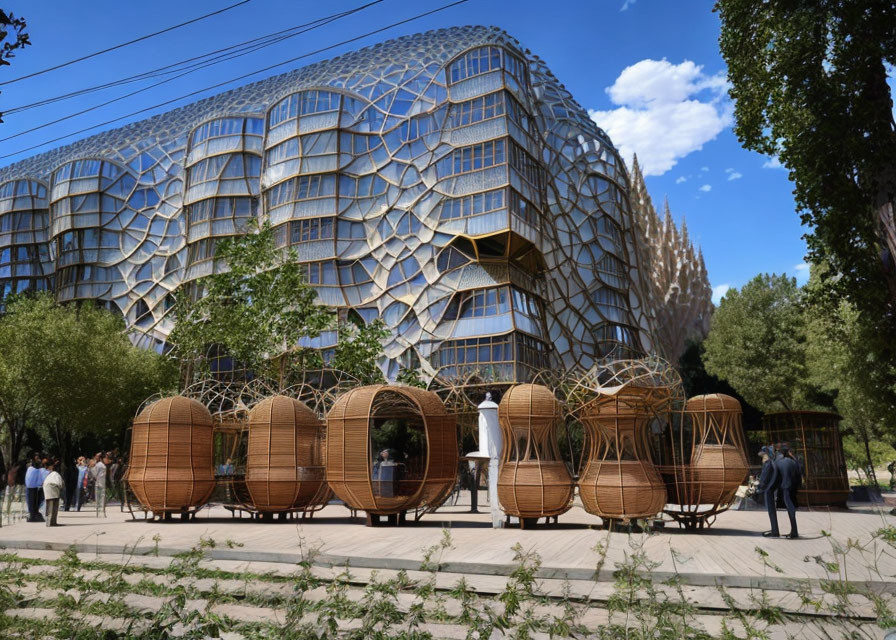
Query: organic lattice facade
{"type": "Point", "coordinates": [445, 182]}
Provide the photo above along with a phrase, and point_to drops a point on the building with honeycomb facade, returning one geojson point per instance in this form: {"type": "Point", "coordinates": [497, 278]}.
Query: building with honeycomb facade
{"type": "Point", "coordinates": [445, 182]}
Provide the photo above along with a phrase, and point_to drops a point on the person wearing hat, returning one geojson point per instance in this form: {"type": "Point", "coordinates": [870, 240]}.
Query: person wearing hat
{"type": "Point", "coordinates": [790, 479]}
{"type": "Point", "coordinates": [768, 486]}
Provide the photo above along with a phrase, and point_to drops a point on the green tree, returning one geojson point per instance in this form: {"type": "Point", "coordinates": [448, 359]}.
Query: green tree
{"type": "Point", "coordinates": [359, 348]}
{"type": "Point", "coordinates": [257, 309]}
{"type": "Point", "coordinates": [847, 358]}
{"type": "Point", "coordinates": [69, 371]}
{"type": "Point", "coordinates": [12, 36]}
{"type": "Point", "coordinates": [809, 80]}
{"type": "Point", "coordinates": [757, 342]}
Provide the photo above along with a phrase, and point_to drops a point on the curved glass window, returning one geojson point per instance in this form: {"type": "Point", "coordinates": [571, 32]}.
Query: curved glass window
{"type": "Point", "coordinates": [615, 333]}
{"type": "Point", "coordinates": [477, 109]}
{"type": "Point", "coordinates": [609, 297]}
{"type": "Point", "coordinates": [357, 272]}
{"type": "Point", "coordinates": [227, 127]}
{"type": "Point", "coordinates": [403, 270]}
{"type": "Point", "coordinates": [307, 187]}
{"type": "Point", "coordinates": [606, 226]}
{"type": "Point", "coordinates": [222, 208]}
{"type": "Point", "coordinates": [351, 230]}
{"type": "Point", "coordinates": [304, 103]}
{"type": "Point", "coordinates": [236, 165]}
{"type": "Point", "coordinates": [309, 229]}
{"type": "Point", "coordinates": [472, 205]}
{"type": "Point", "coordinates": [322, 272]}
{"type": "Point", "coordinates": [451, 258]}
{"type": "Point", "coordinates": [611, 264]}
{"type": "Point", "coordinates": [86, 169]}
{"type": "Point", "coordinates": [482, 60]}
{"type": "Point", "coordinates": [473, 157]}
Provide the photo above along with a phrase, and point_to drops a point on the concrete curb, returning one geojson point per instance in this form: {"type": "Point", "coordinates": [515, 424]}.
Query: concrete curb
{"type": "Point", "coordinates": [470, 568]}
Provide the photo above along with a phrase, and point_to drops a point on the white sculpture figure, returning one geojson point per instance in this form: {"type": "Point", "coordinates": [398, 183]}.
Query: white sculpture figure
{"type": "Point", "coordinates": [490, 445]}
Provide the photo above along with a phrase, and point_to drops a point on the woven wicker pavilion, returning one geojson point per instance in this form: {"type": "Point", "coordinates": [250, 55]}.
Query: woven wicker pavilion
{"type": "Point", "coordinates": [285, 464]}
{"type": "Point", "coordinates": [170, 468]}
{"type": "Point", "coordinates": [390, 449]}
{"type": "Point", "coordinates": [533, 481]}
{"type": "Point", "coordinates": [814, 438]}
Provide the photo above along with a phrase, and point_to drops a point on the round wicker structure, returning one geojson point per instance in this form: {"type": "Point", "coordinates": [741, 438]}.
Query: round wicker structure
{"type": "Point", "coordinates": [171, 456]}
{"type": "Point", "coordinates": [285, 463]}
{"type": "Point", "coordinates": [370, 476]}
{"type": "Point", "coordinates": [719, 459]}
{"type": "Point", "coordinates": [533, 481]}
{"type": "Point", "coordinates": [814, 438]}
{"type": "Point", "coordinates": [620, 481]}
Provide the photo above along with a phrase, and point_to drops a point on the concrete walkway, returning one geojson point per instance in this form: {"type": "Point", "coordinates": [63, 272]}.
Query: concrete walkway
{"type": "Point", "coordinates": [731, 553]}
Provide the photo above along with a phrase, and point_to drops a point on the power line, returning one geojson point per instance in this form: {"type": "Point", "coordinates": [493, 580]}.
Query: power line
{"type": "Point", "coordinates": [320, 22]}
{"type": "Point", "coordinates": [241, 77]}
{"type": "Point", "coordinates": [201, 61]}
{"type": "Point", "coordinates": [124, 44]}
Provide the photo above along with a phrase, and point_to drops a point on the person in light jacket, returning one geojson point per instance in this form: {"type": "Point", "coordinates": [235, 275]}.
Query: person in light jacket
{"type": "Point", "coordinates": [32, 490]}
{"type": "Point", "coordinates": [54, 487]}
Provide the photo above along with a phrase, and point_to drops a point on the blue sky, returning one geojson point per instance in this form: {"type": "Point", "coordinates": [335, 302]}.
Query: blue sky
{"type": "Point", "coordinates": [649, 71]}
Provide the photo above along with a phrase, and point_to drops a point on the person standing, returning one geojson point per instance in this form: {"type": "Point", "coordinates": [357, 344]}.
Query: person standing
{"type": "Point", "coordinates": [80, 490]}
{"type": "Point", "coordinates": [54, 487]}
{"type": "Point", "coordinates": [768, 486]}
{"type": "Point", "coordinates": [790, 479]}
{"type": "Point", "coordinates": [32, 490]}
{"type": "Point", "coordinates": [99, 479]}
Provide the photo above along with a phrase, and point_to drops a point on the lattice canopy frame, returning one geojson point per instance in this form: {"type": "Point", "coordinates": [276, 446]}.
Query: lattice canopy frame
{"type": "Point", "coordinates": [814, 438]}
{"type": "Point", "coordinates": [357, 469]}
{"type": "Point", "coordinates": [533, 481]}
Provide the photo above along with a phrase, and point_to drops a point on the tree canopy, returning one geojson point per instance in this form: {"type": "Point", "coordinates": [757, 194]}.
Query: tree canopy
{"type": "Point", "coordinates": [12, 36]}
{"type": "Point", "coordinates": [68, 371]}
{"type": "Point", "coordinates": [809, 80]}
{"type": "Point", "coordinates": [757, 342]}
{"type": "Point", "coordinates": [257, 309]}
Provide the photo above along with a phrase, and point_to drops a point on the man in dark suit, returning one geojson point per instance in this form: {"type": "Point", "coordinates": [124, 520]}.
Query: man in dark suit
{"type": "Point", "coordinates": [791, 478]}
{"type": "Point", "coordinates": [768, 486]}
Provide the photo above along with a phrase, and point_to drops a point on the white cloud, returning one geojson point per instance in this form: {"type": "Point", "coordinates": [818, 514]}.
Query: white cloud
{"type": "Point", "coordinates": [704, 169]}
{"type": "Point", "coordinates": [733, 175]}
{"type": "Point", "coordinates": [627, 4]}
{"type": "Point", "coordinates": [802, 273]}
{"type": "Point", "coordinates": [773, 163]}
{"type": "Point", "coordinates": [680, 179]}
{"type": "Point", "coordinates": [706, 188]}
{"type": "Point", "coordinates": [718, 292]}
{"type": "Point", "coordinates": [664, 112]}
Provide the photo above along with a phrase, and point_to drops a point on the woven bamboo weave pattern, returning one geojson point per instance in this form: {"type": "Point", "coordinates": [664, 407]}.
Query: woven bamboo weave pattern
{"type": "Point", "coordinates": [814, 438]}
{"type": "Point", "coordinates": [620, 481]}
{"type": "Point", "coordinates": [285, 460]}
{"type": "Point", "coordinates": [533, 481]}
{"type": "Point", "coordinates": [350, 465]}
{"type": "Point", "coordinates": [171, 455]}
{"type": "Point", "coordinates": [719, 459]}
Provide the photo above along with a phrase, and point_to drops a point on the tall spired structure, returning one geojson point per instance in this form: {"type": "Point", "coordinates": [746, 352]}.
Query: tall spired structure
{"type": "Point", "coordinates": [445, 182]}
{"type": "Point", "coordinates": [676, 282]}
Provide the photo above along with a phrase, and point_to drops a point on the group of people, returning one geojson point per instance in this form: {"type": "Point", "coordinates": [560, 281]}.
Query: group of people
{"type": "Point", "coordinates": [46, 490]}
{"type": "Point", "coordinates": [781, 477]}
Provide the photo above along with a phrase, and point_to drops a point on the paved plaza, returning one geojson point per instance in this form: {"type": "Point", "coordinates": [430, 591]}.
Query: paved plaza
{"type": "Point", "coordinates": [732, 552]}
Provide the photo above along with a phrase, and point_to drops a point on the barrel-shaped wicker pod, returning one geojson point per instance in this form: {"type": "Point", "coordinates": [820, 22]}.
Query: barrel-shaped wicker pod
{"type": "Point", "coordinates": [355, 474]}
{"type": "Point", "coordinates": [171, 467]}
{"type": "Point", "coordinates": [620, 481]}
{"type": "Point", "coordinates": [533, 481]}
{"type": "Point", "coordinates": [719, 460]}
{"type": "Point", "coordinates": [814, 437]}
{"type": "Point", "coordinates": [285, 464]}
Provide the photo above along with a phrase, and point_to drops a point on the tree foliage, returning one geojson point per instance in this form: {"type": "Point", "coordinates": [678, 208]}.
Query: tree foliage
{"type": "Point", "coordinates": [257, 310]}
{"type": "Point", "coordinates": [12, 36]}
{"type": "Point", "coordinates": [358, 349]}
{"type": "Point", "coordinates": [757, 342]}
{"type": "Point", "coordinates": [69, 371]}
{"type": "Point", "coordinates": [809, 80]}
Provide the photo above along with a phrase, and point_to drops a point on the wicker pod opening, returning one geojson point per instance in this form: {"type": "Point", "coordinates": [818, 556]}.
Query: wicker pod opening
{"type": "Point", "coordinates": [170, 466]}
{"type": "Point", "coordinates": [285, 463]}
{"type": "Point", "coordinates": [814, 438]}
{"type": "Point", "coordinates": [390, 449]}
{"type": "Point", "coordinates": [620, 481]}
{"type": "Point", "coordinates": [533, 481]}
